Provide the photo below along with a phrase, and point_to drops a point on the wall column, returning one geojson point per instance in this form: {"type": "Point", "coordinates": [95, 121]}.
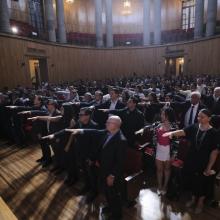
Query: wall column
{"type": "Point", "coordinates": [157, 21]}
{"type": "Point", "coordinates": [98, 23]}
{"type": "Point", "coordinates": [146, 23]}
{"type": "Point", "coordinates": [211, 17]}
{"type": "Point", "coordinates": [199, 19]}
{"type": "Point", "coordinates": [50, 17]}
{"type": "Point", "coordinates": [4, 17]}
{"type": "Point", "coordinates": [109, 32]}
{"type": "Point", "coordinates": [60, 21]}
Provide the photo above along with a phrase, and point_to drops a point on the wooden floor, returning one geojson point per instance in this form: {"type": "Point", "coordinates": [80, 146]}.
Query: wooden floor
{"type": "Point", "coordinates": [33, 193]}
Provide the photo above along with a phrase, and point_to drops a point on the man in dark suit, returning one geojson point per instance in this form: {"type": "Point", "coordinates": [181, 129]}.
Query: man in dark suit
{"type": "Point", "coordinates": [44, 126]}
{"type": "Point", "coordinates": [189, 110]}
{"type": "Point", "coordinates": [82, 152]}
{"type": "Point", "coordinates": [110, 157]}
{"type": "Point", "coordinates": [213, 101]}
{"type": "Point", "coordinates": [97, 100]}
{"type": "Point", "coordinates": [18, 115]}
{"type": "Point", "coordinates": [111, 104]}
{"type": "Point", "coordinates": [132, 119]}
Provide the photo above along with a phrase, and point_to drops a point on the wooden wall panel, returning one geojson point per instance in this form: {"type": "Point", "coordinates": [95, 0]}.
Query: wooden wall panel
{"type": "Point", "coordinates": [67, 63]}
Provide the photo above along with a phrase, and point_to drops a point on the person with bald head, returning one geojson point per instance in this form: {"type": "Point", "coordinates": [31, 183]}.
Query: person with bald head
{"type": "Point", "coordinates": [109, 157]}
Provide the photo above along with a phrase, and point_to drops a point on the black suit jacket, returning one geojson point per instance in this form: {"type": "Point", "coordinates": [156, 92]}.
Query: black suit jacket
{"type": "Point", "coordinates": [55, 126]}
{"type": "Point", "coordinates": [132, 121]}
{"type": "Point", "coordinates": [86, 147]}
{"type": "Point", "coordinates": [112, 155]}
{"type": "Point", "coordinates": [213, 106]}
{"type": "Point", "coordinates": [183, 107]}
{"type": "Point", "coordinates": [101, 117]}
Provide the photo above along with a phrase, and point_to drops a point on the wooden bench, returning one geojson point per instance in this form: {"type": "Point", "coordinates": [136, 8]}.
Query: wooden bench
{"type": "Point", "coordinates": [5, 211]}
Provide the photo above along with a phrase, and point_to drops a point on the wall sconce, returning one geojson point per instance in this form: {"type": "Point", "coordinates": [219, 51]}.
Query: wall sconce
{"type": "Point", "coordinates": [69, 1]}
{"type": "Point", "coordinates": [171, 62]}
{"type": "Point", "coordinates": [127, 4]}
{"type": "Point", "coordinates": [181, 61]}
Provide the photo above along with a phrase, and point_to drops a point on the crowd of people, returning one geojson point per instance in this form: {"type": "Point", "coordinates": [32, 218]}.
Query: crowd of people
{"type": "Point", "coordinates": [86, 126]}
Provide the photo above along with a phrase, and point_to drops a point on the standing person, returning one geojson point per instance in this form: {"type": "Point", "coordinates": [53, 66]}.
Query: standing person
{"type": "Point", "coordinates": [45, 127]}
{"type": "Point", "coordinates": [65, 120]}
{"type": "Point", "coordinates": [111, 159]}
{"type": "Point", "coordinates": [189, 109]}
{"type": "Point", "coordinates": [112, 104]}
{"type": "Point", "coordinates": [132, 120]}
{"type": "Point", "coordinates": [200, 159]}
{"type": "Point", "coordinates": [163, 148]}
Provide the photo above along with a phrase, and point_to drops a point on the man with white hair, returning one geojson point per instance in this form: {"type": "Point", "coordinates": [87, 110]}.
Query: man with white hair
{"type": "Point", "coordinates": [110, 157]}
{"type": "Point", "coordinates": [191, 113]}
{"type": "Point", "coordinates": [189, 109]}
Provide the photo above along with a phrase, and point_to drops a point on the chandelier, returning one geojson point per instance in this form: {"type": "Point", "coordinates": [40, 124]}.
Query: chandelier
{"type": "Point", "coordinates": [69, 1]}
{"type": "Point", "coordinates": [127, 3]}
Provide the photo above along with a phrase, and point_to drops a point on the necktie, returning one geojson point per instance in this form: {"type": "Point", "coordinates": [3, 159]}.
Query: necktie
{"type": "Point", "coordinates": [107, 139]}
{"type": "Point", "coordinates": [191, 116]}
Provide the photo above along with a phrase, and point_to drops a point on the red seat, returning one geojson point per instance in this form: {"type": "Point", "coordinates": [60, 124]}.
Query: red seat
{"type": "Point", "coordinates": [177, 163]}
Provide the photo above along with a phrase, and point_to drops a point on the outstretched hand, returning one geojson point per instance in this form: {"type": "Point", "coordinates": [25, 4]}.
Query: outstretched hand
{"type": "Point", "coordinates": [33, 118]}
{"type": "Point", "coordinates": [168, 134]}
{"type": "Point", "coordinates": [74, 131]}
{"type": "Point", "coordinates": [103, 110]}
{"type": "Point", "coordinates": [51, 136]}
{"type": "Point", "coordinates": [141, 131]}
{"type": "Point", "coordinates": [24, 112]}
{"type": "Point", "coordinates": [11, 106]}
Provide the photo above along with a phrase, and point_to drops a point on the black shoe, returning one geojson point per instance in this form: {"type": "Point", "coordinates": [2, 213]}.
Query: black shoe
{"type": "Point", "coordinates": [40, 160]}
{"type": "Point", "coordinates": [130, 203]}
{"type": "Point", "coordinates": [70, 181]}
{"type": "Point", "coordinates": [58, 171]}
{"type": "Point", "coordinates": [106, 210]}
{"type": "Point", "coordinates": [46, 163]}
{"type": "Point", "coordinates": [54, 169]}
{"type": "Point", "coordinates": [115, 217]}
{"type": "Point", "coordinates": [83, 191]}
{"type": "Point", "coordinates": [90, 197]}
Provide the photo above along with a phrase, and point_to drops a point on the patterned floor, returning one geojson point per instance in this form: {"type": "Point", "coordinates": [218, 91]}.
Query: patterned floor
{"type": "Point", "coordinates": [35, 194]}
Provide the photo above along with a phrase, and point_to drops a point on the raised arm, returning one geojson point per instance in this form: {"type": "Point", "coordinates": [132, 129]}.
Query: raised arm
{"type": "Point", "coordinates": [178, 133]}
{"type": "Point", "coordinates": [48, 118]}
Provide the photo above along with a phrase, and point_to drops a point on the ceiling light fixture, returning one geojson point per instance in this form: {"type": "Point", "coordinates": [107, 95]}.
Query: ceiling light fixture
{"type": "Point", "coordinates": [127, 4]}
{"type": "Point", "coordinates": [69, 1]}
